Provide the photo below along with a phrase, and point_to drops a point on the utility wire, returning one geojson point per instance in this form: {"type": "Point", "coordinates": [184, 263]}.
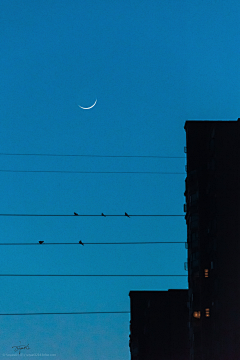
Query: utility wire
{"type": "Point", "coordinates": [102, 243]}
{"type": "Point", "coordinates": [89, 275]}
{"type": "Point", "coordinates": [94, 172]}
{"type": "Point", "coordinates": [99, 156]}
{"type": "Point", "coordinates": [72, 313]}
{"type": "Point", "coordinates": [82, 215]}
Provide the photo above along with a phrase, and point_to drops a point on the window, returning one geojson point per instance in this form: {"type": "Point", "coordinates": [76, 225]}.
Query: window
{"type": "Point", "coordinates": [195, 256]}
{"type": "Point", "coordinates": [194, 198]}
{"type": "Point", "coordinates": [211, 165]}
{"type": "Point", "coordinates": [213, 133]}
{"type": "Point", "coordinates": [211, 144]}
{"type": "Point", "coordinates": [197, 314]}
{"type": "Point", "coordinates": [194, 219]}
{"type": "Point", "coordinates": [195, 239]}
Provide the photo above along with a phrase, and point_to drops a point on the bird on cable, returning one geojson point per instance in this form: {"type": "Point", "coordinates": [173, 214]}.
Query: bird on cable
{"type": "Point", "coordinates": [103, 215]}
{"type": "Point", "coordinates": [80, 242]}
{"type": "Point", "coordinates": [41, 242]}
{"type": "Point", "coordinates": [127, 215]}
{"type": "Point", "coordinates": [75, 214]}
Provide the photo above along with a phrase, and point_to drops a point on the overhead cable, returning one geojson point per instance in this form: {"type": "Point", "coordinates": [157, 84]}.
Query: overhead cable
{"type": "Point", "coordinates": [99, 156]}
{"type": "Point", "coordinates": [72, 313]}
{"type": "Point", "coordinates": [88, 275]}
{"type": "Point", "coordinates": [87, 215]}
{"type": "Point", "coordinates": [94, 172]}
{"type": "Point", "coordinates": [102, 243]}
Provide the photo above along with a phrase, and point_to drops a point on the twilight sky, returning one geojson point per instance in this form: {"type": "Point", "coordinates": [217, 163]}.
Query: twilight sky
{"type": "Point", "coordinates": [151, 65]}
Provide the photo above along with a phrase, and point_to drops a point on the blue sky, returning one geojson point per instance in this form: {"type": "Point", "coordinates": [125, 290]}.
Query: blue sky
{"type": "Point", "coordinates": [151, 65]}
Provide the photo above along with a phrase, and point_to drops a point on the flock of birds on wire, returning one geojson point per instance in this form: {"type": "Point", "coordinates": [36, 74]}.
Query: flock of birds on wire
{"type": "Point", "coordinates": [80, 242]}
{"type": "Point", "coordinates": [76, 214]}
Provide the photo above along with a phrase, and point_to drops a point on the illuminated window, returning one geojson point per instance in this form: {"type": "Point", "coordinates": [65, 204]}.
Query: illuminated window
{"type": "Point", "coordinates": [197, 314]}
{"type": "Point", "coordinates": [206, 273]}
{"type": "Point", "coordinates": [207, 312]}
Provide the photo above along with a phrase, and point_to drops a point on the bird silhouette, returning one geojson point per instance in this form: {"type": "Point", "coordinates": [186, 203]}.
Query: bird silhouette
{"type": "Point", "coordinates": [127, 215]}
{"type": "Point", "coordinates": [75, 214]}
{"type": "Point", "coordinates": [80, 242]}
{"type": "Point", "coordinates": [41, 242]}
{"type": "Point", "coordinates": [103, 215]}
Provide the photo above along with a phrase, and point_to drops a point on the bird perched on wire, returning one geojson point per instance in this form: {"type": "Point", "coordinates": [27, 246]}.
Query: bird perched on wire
{"type": "Point", "coordinates": [127, 215]}
{"type": "Point", "coordinates": [41, 242]}
{"type": "Point", "coordinates": [103, 215]}
{"type": "Point", "coordinates": [80, 242]}
{"type": "Point", "coordinates": [76, 214]}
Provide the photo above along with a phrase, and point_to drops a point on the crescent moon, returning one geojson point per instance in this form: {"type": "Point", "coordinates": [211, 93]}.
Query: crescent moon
{"type": "Point", "coordinates": [89, 106]}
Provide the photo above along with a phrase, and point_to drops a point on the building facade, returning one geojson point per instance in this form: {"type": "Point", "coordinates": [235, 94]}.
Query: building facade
{"type": "Point", "coordinates": [213, 237]}
{"type": "Point", "coordinates": [159, 325]}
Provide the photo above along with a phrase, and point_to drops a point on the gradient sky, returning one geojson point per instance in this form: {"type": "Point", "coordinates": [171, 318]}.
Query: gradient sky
{"type": "Point", "coordinates": [151, 65]}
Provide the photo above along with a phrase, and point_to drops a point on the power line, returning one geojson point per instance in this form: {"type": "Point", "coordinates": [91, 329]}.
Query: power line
{"type": "Point", "coordinates": [98, 156]}
{"type": "Point", "coordinates": [211, 120]}
{"type": "Point", "coordinates": [85, 215]}
{"type": "Point", "coordinates": [89, 275]}
{"type": "Point", "coordinates": [93, 172]}
{"type": "Point", "coordinates": [72, 313]}
{"type": "Point", "coordinates": [102, 243]}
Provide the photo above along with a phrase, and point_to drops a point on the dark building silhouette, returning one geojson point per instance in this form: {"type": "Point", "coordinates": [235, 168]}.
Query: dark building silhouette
{"type": "Point", "coordinates": [159, 325]}
{"type": "Point", "coordinates": [213, 236]}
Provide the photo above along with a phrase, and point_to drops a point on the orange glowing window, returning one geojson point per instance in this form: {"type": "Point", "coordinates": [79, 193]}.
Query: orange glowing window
{"type": "Point", "coordinates": [197, 314]}
{"type": "Point", "coordinates": [206, 273]}
{"type": "Point", "coordinates": [207, 312]}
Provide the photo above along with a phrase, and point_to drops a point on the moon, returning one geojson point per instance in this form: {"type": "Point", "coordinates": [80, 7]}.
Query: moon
{"type": "Point", "coordinates": [86, 108]}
